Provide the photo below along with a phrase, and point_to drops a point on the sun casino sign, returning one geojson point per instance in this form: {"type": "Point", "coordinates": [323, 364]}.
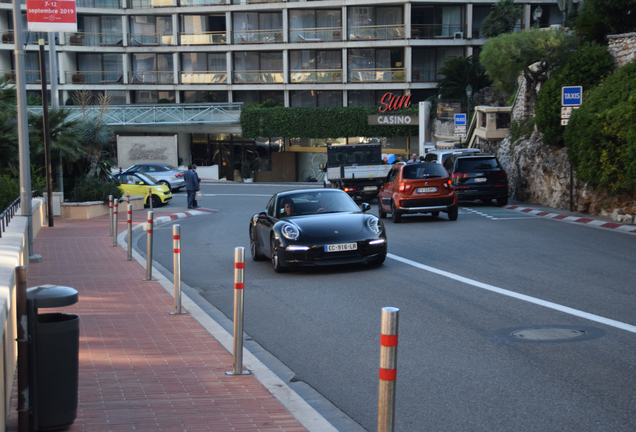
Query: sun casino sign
{"type": "Point", "coordinates": [390, 103]}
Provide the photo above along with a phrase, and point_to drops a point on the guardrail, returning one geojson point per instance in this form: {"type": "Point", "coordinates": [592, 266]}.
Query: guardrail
{"type": "Point", "coordinates": [126, 115]}
{"type": "Point", "coordinates": [8, 213]}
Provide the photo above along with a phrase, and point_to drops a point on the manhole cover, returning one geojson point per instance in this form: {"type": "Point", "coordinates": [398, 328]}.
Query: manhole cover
{"type": "Point", "coordinates": [548, 333]}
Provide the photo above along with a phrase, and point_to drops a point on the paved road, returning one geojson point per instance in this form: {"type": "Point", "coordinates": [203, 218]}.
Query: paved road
{"type": "Point", "coordinates": [507, 321]}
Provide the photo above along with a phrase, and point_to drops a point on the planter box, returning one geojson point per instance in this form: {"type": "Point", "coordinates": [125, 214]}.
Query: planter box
{"type": "Point", "coordinates": [91, 209]}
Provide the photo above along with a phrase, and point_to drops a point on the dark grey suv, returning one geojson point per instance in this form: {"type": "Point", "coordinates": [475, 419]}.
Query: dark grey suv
{"type": "Point", "coordinates": [478, 177]}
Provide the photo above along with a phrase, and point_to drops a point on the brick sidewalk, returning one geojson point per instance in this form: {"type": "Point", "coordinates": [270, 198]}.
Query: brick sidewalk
{"type": "Point", "coordinates": [141, 368]}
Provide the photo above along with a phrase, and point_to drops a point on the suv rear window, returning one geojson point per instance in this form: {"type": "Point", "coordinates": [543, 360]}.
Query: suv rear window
{"type": "Point", "coordinates": [423, 171]}
{"type": "Point", "coordinates": [476, 164]}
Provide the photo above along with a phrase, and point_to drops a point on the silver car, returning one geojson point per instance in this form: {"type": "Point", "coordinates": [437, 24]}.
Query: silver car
{"type": "Point", "coordinates": [164, 173]}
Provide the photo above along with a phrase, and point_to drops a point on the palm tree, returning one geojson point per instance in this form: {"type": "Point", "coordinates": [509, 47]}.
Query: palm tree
{"type": "Point", "coordinates": [502, 19]}
{"type": "Point", "coordinates": [64, 134]}
{"type": "Point", "coordinates": [458, 73]}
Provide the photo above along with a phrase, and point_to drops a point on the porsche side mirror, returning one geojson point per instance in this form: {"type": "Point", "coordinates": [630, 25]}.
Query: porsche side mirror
{"type": "Point", "coordinates": [365, 206]}
{"type": "Point", "coordinates": [262, 215]}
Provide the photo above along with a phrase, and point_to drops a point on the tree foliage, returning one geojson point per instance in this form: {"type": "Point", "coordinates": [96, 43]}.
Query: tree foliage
{"type": "Point", "coordinates": [502, 19]}
{"type": "Point", "coordinates": [63, 134]}
{"type": "Point", "coordinates": [533, 53]}
{"type": "Point", "coordinates": [459, 72]}
{"type": "Point", "coordinates": [585, 67]}
{"type": "Point", "coordinates": [598, 18]}
{"type": "Point", "coordinates": [601, 135]}
{"type": "Point", "coordinates": [257, 121]}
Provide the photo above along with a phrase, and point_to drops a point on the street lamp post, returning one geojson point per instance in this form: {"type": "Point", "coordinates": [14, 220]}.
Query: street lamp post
{"type": "Point", "coordinates": [469, 93]}
{"type": "Point", "coordinates": [536, 16]}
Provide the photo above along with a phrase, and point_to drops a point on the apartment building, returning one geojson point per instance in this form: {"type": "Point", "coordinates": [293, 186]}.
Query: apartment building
{"type": "Point", "coordinates": [330, 53]}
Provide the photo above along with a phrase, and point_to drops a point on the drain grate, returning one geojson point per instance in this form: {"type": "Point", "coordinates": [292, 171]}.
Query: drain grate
{"type": "Point", "coordinates": [548, 333]}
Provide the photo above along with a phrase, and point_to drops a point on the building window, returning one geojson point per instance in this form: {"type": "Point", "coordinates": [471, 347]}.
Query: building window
{"type": "Point", "coordinates": [151, 30]}
{"type": "Point", "coordinates": [316, 98]}
{"type": "Point", "coordinates": [248, 97]}
{"type": "Point", "coordinates": [152, 96]}
{"type": "Point", "coordinates": [255, 27]}
{"type": "Point", "coordinates": [365, 22]}
{"type": "Point", "coordinates": [310, 66]}
{"type": "Point", "coordinates": [307, 25]}
{"type": "Point", "coordinates": [198, 96]}
{"type": "Point", "coordinates": [152, 69]}
{"type": "Point", "coordinates": [427, 61]}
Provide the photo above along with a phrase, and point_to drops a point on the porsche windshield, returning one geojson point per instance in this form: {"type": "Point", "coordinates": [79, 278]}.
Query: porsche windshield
{"type": "Point", "coordinates": [315, 203]}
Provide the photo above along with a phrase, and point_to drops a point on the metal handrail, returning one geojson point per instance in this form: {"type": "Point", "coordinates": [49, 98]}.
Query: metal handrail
{"type": "Point", "coordinates": [8, 213]}
{"type": "Point", "coordinates": [168, 114]}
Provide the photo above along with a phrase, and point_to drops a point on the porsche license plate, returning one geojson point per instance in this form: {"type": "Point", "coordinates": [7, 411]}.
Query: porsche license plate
{"type": "Point", "coordinates": [341, 247]}
{"type": "Point", "coordinates": [426, 190]}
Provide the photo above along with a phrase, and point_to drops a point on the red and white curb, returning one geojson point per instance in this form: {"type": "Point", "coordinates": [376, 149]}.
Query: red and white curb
{"type": "Point", "coordinates": [575, 219]}
{"type": "Point", "coordinates": [169, 218]}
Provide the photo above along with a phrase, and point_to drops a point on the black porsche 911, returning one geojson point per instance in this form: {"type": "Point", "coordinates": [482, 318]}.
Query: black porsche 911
{"type": "Point", "coordinates": [316, 227]}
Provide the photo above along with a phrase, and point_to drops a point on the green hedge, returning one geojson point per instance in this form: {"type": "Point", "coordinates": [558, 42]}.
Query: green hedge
{"type": "Point", "coordinates": [601, 135]}
{"type": "Point", "coordinates": [94, 189]}
{"type": "Point", "coordinates": [9, 191]}
{"type": "Point", "coordinates": [320, 122]}
{"type": "Point", "coordinates": [585, 67]}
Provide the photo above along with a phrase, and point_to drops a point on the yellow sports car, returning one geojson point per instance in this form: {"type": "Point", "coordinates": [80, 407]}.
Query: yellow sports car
{"type": "Point", "coordinates": [140, 184]}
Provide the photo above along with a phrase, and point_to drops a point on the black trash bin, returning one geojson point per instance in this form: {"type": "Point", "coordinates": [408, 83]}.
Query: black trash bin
{"type": "Point", "coordinates": [53, 358]}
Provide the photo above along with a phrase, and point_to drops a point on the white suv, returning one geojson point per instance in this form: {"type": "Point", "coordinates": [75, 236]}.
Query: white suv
{"type": "Point", "coordinates": [440, 156]}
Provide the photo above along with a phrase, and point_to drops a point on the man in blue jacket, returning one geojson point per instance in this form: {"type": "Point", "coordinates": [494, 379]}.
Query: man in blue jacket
{"type": "Point", "coordinates": [192, 186]}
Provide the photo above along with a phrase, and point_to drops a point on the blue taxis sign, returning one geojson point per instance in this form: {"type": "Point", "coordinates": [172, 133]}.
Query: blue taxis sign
{"type": "Point", "coordinates": [572, 96]}
{"type": "Point", "coordinates": [460, 119]}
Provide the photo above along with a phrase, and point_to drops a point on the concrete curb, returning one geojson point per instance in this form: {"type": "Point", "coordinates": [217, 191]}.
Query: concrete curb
{"type": "Point", "coordinates": [630, 229]}
{"type": "Point", "coordinates": [296, 405]}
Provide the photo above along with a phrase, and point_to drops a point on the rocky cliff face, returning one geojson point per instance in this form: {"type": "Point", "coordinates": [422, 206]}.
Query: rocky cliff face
{"type": "Point", "coordinates": [539, 174]}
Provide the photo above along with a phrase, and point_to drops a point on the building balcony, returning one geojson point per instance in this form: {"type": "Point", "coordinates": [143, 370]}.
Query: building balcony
{"type": "Point", "coordinates": [384, 32]}
{"type": "Point", "coordinates": [186, 3]}
{"type": "Point", "coordinates": [203, 77]}
{"type": "Point", "coordinates": [424, 75]}
{"type": "Point", "coordinates": [258, 77]}
{"type": "Point", "coordinates": [150, 39]}
{"type": "Point", "coordinates": [94, 77]}
{"type": "Point", "coordinates": [258, 36]}
{"type": "Point", "coordinates": [31, 76]}
{"type": "Point", "coordinates": [377, 75]}
{"type": "Point", "coordinates": [207, 38]}
{"type": "Point", "coordinates": [146, 4]}
{"type": "Point", "coordinates": [151, 77]}
{"type": "Point", "coordinates": [321, 34]}
{"type": "Point", "coordinates": [300, 76]}
{"type": "Point", "coordinates": [438, 31]}
{"type": "Point", "coordinates": [105, 4]}
{"type": "Point", "coordinates": [93, 39]}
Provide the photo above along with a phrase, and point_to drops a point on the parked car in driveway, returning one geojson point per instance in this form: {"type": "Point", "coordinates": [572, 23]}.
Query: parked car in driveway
{"type": "Point", "coordinates": [140, 184]}
{"type": "Point", "coordinates": [417, 188]}
{"type": "Point", "coordinates": [478, 177]}
{"type": "Point", "coordinates": [164, 173]}
{"type": "Point", "coordinates": [316, 227]}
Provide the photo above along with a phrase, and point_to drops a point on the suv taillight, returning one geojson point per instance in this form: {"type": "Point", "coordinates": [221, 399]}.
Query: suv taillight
{"type": "Point", "coordinates": [178, 175]}
{"type": "Point", "coordinates": [404, 187]}
{"type": "Point", "coordinates": [456, 176]}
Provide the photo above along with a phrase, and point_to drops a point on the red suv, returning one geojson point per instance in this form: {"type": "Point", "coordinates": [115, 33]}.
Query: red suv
{"type": "Point", "coordinates": [417, 188]}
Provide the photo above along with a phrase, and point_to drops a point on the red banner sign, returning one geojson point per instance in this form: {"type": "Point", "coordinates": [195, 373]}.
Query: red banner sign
{"type": "Point", "coordinates": [51, 16]}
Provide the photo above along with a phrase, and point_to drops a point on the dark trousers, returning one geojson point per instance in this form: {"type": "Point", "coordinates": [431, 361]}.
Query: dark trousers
{"type": "Point", "coordinates": [191, 195]}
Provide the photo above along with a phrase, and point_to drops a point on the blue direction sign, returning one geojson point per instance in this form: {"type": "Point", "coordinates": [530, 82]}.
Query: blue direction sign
{"type": "Point", "coordinates": [572, 96]}
{"type": "Point", "coordinates": [460, 119]}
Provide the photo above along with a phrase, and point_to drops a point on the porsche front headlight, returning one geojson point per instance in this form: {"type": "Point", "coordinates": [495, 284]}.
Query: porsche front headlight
{"type": "Point", "coordinates": [290, 231]}
{"type": "Point", "coordinates": [374, 225]}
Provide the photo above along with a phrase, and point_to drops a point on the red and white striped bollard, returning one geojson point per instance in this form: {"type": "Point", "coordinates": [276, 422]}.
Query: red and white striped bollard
{"type": "Point", "coordinates": [239, 284]}
{"type": "Point", "coordinates": [388, 369]}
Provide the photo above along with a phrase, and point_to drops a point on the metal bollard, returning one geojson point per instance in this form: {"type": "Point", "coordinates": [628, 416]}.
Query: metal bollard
{"type": "Point", "coordinates": [110, 213]}
{"type": "Point", "coordinates": [115, 208]}
{"type": "Point", "coordinates": [149, 248]}
{"type": "Point", "coordinates": [388, 369]}
{"type": "Point", "coordinates": [176, 245]}
{"type": "Point", "coordinates": [127, 197]}
{"type": "Point", "coordinates": [150, 198]}
{"type": "Point", "coordinates": [239, 284]}
{"type": "Point", "coordinates": [129, 233]}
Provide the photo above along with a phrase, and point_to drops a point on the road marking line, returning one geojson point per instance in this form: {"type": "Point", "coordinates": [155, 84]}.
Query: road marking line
{"type": "Point", "coordinates": [523, 297]}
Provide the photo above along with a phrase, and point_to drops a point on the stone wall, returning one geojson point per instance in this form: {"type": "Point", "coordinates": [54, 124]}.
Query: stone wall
{"type": "Point", "coordinates": [622, 47]}
{"type": "Point", "coordinates": [540, 174]}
